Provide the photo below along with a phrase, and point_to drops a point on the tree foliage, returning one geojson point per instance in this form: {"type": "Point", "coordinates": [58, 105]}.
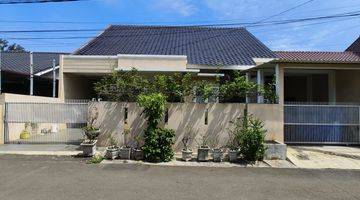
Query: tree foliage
{"type": "Point", "coordinates": [158, 141]}
{"type": "Point", "coordinates": [5, 47]}
{"type": "Point", "coordinates": [122, 86]}
{"type": "Point", "coordinates": [236, 90]}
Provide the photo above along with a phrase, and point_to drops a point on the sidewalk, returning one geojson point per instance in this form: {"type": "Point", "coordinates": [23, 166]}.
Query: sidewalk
{"type": "Point", "coordinates": [40, 149]}
{"type": "Point", "coordinates": [323, 157]}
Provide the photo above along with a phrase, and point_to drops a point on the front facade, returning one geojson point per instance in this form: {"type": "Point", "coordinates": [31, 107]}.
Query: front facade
{"type": "Point", "coordinates": [318, 91]}
{"type": "Point", "coordinates": [205, 52]}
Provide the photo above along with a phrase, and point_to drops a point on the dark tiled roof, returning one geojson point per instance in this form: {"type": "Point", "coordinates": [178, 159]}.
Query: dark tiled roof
{"type": "Point", "coordinates": [317, 57]}
{"type": "Point", "coordinates": [20, 62]}
{"type": "Point", "coordinates": [354, 47]}
{"type": "Point", "coordinates": [202, 45]}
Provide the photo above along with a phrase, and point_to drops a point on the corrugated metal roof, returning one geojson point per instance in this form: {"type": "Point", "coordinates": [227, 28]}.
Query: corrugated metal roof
{"type": "Point", "coordinates": [202, 45]}
{"type": "Point", "coordinates": [318, 57]}
{"type": "Point", "coordinates": [20, 62]}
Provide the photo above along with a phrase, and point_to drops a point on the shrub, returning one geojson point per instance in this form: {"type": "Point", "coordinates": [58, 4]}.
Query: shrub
{"type": "Point", "coordinates": [174, 87]}
{"type": "Point", "coordinates": [158, 141]}
{"type": "Point", "coordinates": [158, 145]}
{"type": "Point", "coordinates": [236, 89]}
{"type": "Point", "coordinates": [206, 91]}
{"type": "Point", "coordinates": [251, 139]}
{"type": "Point", "coordinates": [91, 132]}
{"type": "Point", "coordinates": [154, 108]}
{"type": "Point", "coordinates": [95, 159]}
{"type": "Point", "coordinates": [121, 86]}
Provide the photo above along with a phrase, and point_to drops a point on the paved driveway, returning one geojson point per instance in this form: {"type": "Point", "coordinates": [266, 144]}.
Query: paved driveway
{"type": "Point", "coordinates": [334, 157]}
{"type": "Point", "coordinates": [68, 178]}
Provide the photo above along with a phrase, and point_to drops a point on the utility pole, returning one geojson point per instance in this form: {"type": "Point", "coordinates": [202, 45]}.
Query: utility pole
{"type": "Point", "coordinates": [31, 74]}
{"type": "Point", "coordinates": [54, 78]}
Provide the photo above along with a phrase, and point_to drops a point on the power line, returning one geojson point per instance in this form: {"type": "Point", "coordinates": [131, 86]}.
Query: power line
{"type": "Point", "coordinates": [35, 1]}
{"type": "Point", "coordinates": [231, 29]}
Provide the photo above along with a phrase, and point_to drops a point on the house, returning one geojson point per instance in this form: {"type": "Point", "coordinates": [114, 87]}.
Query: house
{"type": "Point", "coordinates": [320, 94]}
{"type": "Point", "coordinates": [204, 51]}
{"type": "Point", "coordinates": [15, 68]}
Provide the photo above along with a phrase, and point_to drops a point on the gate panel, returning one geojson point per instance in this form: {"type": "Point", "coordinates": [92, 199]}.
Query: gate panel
{"type": "Point", "coordinates": [322, 124]}
{"type": "Point", "coordinates": [45, 122]}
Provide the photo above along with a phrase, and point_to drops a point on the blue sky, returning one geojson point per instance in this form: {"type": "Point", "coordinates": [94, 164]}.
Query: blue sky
{"type": "Point", "coordinates": [97, 14]}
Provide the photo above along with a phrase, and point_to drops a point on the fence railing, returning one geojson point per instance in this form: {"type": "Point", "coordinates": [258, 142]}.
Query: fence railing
{"type": "Point", "coordinates": [326, 124]}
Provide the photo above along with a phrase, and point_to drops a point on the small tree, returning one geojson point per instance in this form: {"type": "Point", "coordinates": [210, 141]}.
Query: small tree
{"type": "Point", "coordinates": [158, 141]}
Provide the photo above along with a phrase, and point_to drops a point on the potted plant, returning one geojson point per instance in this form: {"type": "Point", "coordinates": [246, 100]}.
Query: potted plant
{"type": "Point", "coordinates": [217, 154]}
{"type": "Point", "coordinates": [233, 143]}
{"type": "Point", "coordinates": [203, 150]}
{"type": "Point", "coordinates": [112, 150]}
{"type": "Point", "coordinates": [25, 134]}
{"type": "Point", "coordinates": [138, 153]}
{"type": "Point", "coordinates": [125, 150]}
{"type": "Point", "coordinates": [186, 152]}
{"type": "Point", "coordinates": [92, 133]}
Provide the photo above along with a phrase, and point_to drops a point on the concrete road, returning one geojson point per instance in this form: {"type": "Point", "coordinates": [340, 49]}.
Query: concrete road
{"type": "Point", "coordinates": [58, 178]}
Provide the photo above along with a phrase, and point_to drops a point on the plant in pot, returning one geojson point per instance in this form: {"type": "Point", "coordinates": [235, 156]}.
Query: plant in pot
{"type": "Point", "coordinates": [138, 153]}
{"type": "Point", "coordinates": [203, 150]}
{"type": "Point", "coordinates": [125, 150]}
{"type": "Point", "coordinates": [25, 134]}
{"type": "Point", "coordinates": [217, 152]}
{"type": "Point", "coordinates": [92, 133]}
{"type": "Point", "coordinates": [112, 149]}
{"type": "Point", "coordinates": [233, 143]}
{"type": "Point", "coordinates": [186, 152]}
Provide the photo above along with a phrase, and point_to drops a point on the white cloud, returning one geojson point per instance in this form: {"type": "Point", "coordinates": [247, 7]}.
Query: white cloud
{"type": "Point", "coordinates": [181, 7]}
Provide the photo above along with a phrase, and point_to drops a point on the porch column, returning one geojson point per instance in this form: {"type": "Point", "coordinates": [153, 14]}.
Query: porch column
{"type": "Point", "coordinates": [260, 82]}
{"type": "Point", "coordinates": [31, 74]}
{"type": "Point", "coordinates": [279, 75]}
{"type": "Point", "coordinates": [248, 77]}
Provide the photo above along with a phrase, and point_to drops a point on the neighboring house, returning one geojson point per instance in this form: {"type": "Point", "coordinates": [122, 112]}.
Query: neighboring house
{"type": "Point", "coordinates": [15, 69]}
{"type": "Point", "coordinates": [166, 49]}
{"type": "Point", "coordinates": [320, 92]}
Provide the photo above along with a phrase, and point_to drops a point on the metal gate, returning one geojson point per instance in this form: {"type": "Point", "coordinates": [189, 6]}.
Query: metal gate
{"type": "Point", "coordinates": [322, 124]}
{"type": "Point", "coordinates": [45, 123]}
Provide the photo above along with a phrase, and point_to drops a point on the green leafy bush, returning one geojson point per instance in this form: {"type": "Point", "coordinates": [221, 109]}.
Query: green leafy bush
{"type": "Point", "coordinates": [96, 159]}
{"type": "Point", "coordinates": [158, 145]}
{"type": "Point", "coordinates": [174, 87]}
{"type": "Point", "coordinates": [206, 91]}
{"type": "Point", "coordinates": [158, 141]}
{"type": "Point", "coordinates": [122, 86]}
{"type": "Point", "coordinates": [91, 132]}
{"type": "Point", "coordinates": [236, 90]}
{"type": "Point", "coordinates": [251, 139]}
{"type": "Point", "coordinates": [154, 108]}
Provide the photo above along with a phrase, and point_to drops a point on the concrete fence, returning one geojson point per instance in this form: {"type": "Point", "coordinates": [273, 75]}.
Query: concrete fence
{"type": "Point", "coordinates": [211, 121]}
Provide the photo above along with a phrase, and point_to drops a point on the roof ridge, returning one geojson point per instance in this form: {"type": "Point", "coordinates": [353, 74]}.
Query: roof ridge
{"type": "Point", "coordinates": [301, 51]}
{"type": "Point", "coordinates": [174, 26]}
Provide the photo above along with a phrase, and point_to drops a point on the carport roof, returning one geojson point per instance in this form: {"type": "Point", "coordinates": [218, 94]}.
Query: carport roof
{"type": "Point", "coordinates": [19, 62]}
{"type": "Point", "coordinates": [209, 46]}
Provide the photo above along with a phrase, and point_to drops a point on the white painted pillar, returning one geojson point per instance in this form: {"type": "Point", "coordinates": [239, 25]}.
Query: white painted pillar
{"type": "Point", "coordinates": [248, 77]}
{"type": "Point", "coordinates": [279, 76]}
{"type": "Point", "coordinates": [54, 78]}
{"type": "Point", "coordinates": [260, 82]}
{"type": "Point", "coordinates": [31, 74]}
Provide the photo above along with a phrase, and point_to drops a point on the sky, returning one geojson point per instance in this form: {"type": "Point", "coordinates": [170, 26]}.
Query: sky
{"type": "Point", "coordinates": [334, 35]}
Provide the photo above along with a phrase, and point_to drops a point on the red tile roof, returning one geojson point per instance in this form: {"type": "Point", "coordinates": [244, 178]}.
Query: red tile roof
{"type": "Point", "coordinates": [318, 57]}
